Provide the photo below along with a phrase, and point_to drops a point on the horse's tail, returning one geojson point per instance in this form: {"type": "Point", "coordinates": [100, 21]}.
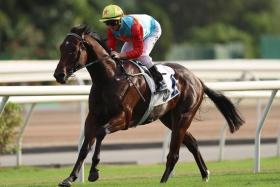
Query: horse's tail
{"type": "Point", "coordinates": [226, 107]}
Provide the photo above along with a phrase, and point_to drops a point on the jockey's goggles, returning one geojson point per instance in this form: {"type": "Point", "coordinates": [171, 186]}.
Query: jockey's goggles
{"type": "Point", "coordinates": [112, 22]}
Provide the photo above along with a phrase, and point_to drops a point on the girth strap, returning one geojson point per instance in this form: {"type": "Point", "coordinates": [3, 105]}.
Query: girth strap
{"type": "Point", "coordinates": [152, 101]}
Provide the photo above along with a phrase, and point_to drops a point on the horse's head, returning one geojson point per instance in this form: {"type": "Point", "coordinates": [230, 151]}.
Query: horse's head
{"type": "Point", "coordinates": [73, 54]}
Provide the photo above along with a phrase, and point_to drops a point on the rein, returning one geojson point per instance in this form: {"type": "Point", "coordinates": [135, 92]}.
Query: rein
{"type": "Point", "coordinates": [79, 67]}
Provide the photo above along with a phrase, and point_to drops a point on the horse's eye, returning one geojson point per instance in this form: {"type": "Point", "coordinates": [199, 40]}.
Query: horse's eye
{"type": "Point", "coordinates": [71, 52]}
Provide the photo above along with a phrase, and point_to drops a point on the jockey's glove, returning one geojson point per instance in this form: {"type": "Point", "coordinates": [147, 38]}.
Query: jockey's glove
{"type": "Point", "coordinates": [118, 56]}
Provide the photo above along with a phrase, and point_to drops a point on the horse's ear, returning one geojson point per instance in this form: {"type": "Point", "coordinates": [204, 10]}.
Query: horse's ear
{"type": "Point", "coordinates": [85, 29]}
{"type": "Point", "coordinates": [81, 29]}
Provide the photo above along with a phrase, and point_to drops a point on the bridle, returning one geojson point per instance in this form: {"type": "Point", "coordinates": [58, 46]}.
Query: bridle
{"type": "Point", "coordinates": [77, 65]}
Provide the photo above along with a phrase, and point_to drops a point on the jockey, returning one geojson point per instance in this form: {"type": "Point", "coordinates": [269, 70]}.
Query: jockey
{"type": "Point", "coordinates": [139, 32]}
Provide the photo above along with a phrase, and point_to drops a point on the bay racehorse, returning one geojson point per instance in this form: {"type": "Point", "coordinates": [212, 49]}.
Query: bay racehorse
{"type": "Point", "coordinates": [118, 100]}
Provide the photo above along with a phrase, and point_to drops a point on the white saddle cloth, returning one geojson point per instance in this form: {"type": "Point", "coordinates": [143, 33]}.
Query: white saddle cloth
{"type": "Point", "coordinates": [171, 91]}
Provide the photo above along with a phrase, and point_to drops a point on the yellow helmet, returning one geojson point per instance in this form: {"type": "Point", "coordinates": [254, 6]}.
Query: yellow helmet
{"type": "Point", "coordinates": [111, 12]}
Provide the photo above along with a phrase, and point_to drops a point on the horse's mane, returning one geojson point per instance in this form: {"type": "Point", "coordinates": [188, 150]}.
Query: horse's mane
{"type": "Point", "coordinates": [84, 29]}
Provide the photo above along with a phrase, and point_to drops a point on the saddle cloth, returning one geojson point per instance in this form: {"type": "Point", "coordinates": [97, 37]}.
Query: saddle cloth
{"type": "Point", "coordinates": [162, 97]}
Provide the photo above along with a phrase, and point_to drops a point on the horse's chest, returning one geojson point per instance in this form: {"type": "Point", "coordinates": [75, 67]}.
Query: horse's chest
{"type": "Point", "coordinates": [106, 105]}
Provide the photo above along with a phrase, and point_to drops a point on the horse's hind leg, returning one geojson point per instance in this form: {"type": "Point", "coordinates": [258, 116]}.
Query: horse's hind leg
{"type": "Point", "coordinates": [191, 143]}
{"type": "Point", "coordinates": [179, 128]}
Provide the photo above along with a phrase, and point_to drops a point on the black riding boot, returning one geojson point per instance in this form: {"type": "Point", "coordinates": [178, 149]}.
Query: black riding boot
{"type": "Point", "coordinates": [157, 76]}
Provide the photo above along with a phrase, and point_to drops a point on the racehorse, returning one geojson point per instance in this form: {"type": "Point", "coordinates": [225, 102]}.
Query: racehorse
{"type": "Point", "coordinates": [119, 97]}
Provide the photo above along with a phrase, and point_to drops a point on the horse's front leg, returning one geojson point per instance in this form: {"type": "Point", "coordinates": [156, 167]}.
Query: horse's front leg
{"type": "Point", "coordinates": [90, 133]}
{"type": "Point", "coordinates": [116, 123]}
{"type": "Point", "coordinates": [94, 173]}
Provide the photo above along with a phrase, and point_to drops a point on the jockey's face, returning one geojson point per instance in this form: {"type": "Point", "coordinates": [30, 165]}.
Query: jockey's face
{"type": "Point", "coordinates": [115, 27]}
{"type": "Point", "coordinates": [113, 24]}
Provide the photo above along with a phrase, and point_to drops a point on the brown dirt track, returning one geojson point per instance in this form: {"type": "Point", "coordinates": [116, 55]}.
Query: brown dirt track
{"type": "Point", "coordinates": [62, 127]}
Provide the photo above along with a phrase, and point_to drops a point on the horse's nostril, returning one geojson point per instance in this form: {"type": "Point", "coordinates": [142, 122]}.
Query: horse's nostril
{"type": "Point", "coordinates": [59, 76]}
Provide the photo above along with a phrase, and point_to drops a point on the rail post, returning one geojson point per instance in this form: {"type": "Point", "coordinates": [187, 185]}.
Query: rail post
{"type": "Point", "coordinates": [20, 136]}
{"type": "Point", "coordinates": [4, 100]}
{"type": "Point", "coordinates": [278, 143]}
{"type": "Point", "coordinates": [258, 132]}
{"type": "Point", "coordinates": [81, 177]}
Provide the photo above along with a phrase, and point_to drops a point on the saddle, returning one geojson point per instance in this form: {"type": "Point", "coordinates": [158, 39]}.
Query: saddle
{"type": "Point", "coordinates": [162, 97]}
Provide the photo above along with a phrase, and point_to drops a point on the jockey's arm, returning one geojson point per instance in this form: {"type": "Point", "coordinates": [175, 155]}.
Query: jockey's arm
{"type": "Point", "coordinates": [137, 42]}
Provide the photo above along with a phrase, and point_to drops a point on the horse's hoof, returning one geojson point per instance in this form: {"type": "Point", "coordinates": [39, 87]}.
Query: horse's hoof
{"type": "Point", "coordinates": [93, 176]}
{"type": "Point", "coordinates": [206, 179]}
{"type": "Point", "coordinates": [163, 179]}
{"type": "Point", "coordinates": [65, 183]}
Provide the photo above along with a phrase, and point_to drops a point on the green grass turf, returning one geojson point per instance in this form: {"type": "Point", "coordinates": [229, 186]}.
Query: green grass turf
{"type": "Point", "coordinates": [223, 174]}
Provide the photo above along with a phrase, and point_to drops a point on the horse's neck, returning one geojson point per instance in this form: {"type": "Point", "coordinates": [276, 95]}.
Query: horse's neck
{"type": "Point", "coordinates": [97, 74]}
{"type": "Point", "coordinates": [108, 66]}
